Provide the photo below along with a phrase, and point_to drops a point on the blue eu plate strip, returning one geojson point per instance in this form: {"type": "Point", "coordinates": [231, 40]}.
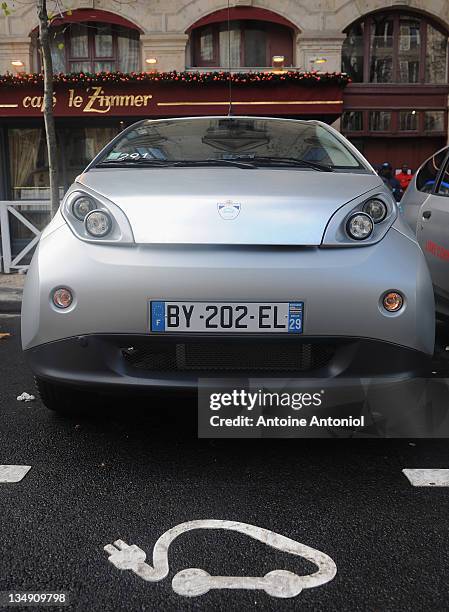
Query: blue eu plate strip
{"type": "Point", "coordinates": [295, 316]}
{"type": "Point", "coordinates": [157, 316]}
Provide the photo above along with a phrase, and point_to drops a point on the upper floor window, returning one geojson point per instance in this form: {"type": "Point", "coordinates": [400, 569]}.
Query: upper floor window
{"type": "Point", "coordinates": [94, 47]}
{"type": "Point", "coordinates": [250, 43]}
{"type": "Point", "coordinates": [394, 47]}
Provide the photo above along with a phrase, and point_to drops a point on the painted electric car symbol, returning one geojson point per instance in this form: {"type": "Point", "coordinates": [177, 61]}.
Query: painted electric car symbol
{"type": "Point", "coordinates": [229, 210]}
{"type": "Point", "coordinates": [194, 581]}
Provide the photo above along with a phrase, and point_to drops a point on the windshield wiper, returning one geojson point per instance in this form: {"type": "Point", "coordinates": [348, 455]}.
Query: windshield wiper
{"type": "Point", "coordinates": [124, 163]}
{"type": "Point", "coordinates": [238, 162]}
{"type": "Point", "coordinates": [216, 162]}
{"type": "Point", "coordinates": [291, 161]}
{"type": "Point", "coordinates": [160, 163]}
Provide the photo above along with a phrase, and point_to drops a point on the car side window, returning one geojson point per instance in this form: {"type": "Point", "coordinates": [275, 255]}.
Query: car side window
{"type": "Point", "coordinates": [427, 175]}
{"type": "Point", "coordinates": [443, 188]}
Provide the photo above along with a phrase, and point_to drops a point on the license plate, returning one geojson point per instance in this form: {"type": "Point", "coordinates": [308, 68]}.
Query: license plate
{"type": "Point", "coordinates": [253, 317]}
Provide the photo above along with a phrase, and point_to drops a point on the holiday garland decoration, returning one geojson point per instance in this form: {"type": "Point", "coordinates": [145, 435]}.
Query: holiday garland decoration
{"type": "Point", "coordinates": [78, 79]}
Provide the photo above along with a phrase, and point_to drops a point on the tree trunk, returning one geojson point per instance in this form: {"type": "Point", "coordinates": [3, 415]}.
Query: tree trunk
{"type": "Point", "coordinates": [49, 119]}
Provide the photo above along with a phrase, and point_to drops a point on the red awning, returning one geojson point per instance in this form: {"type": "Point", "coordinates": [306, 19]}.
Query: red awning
{"type": "Point", "coordinates": [176, 94]}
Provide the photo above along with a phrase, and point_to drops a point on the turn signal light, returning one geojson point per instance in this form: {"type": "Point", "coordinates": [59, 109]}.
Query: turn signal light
{"type": "Point", "coordinates": [62, 298]}
{"type": "Point", "coordinates": [393, 301]}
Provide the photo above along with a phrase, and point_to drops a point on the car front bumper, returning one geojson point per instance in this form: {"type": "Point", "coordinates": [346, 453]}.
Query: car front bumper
{"type": "Point", "coordinates": [341, 289]}
{"type": "Point", "coordinates": [140, 362]}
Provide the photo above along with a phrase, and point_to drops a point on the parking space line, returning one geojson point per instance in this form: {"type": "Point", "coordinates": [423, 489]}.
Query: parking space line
{"type": "Point", "coordinates": [13, 473]}
{"type": "Point", "coordinates": [428, 477]}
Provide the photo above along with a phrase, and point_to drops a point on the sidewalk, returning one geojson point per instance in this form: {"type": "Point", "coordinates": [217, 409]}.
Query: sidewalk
{"type": "Point", "coordinates": [11, 286]}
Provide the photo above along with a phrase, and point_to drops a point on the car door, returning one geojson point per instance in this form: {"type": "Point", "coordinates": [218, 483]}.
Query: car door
{"type": "Point", "coordinates": [423, 183]}
{"type": "Point", "coordinates": [433, 236]}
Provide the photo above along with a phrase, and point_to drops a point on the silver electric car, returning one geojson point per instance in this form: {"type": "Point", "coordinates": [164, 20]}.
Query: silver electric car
{"type": "Point", "coordinates": [426, 209]}
{"type": "Point", "coordinates": [224, 246]}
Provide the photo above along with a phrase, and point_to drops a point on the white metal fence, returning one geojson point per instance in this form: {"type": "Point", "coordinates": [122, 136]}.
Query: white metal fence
{"type": "Point", "coordinates": [10, 262]}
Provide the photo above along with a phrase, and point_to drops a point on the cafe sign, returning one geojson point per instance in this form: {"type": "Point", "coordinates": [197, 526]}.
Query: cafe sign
{"type": "Point", "coordinates": [158, 99]}
{"type": "Point", "coordinates": [92, 100]}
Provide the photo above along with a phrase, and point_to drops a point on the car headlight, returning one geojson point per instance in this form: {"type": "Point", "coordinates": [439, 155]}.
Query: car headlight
{"type": "Point", "coordinates": [362, 221]}
{"type": "Point", "coordinates": [376, 209]}
{"type": "Point", "coordinates": [94, 218]}
{"type": "Point", "coordinates": [98, 223]}
{"type": "Point", "coordinates": [360, 226]}
{"type": "Point", "coordinates": [82, 206]}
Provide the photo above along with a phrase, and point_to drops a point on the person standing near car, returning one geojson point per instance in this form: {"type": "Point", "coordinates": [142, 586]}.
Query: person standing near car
{"type": "Point", "coordinates": [404, 176]}
{"type": "Point", "coordinates": [386, 174]}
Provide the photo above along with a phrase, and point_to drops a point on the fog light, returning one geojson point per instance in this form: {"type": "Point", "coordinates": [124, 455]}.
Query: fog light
{"type": "Point", "coordinates": [62, 298]}
{"type": "Point", "coordinates": [393, 301]}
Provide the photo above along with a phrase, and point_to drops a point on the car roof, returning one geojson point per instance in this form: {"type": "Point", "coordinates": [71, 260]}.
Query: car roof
{"type": "Point", "coordinates": [230, 117]}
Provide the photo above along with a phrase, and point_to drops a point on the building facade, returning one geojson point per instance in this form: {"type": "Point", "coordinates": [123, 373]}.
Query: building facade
{"type": "Point", "coordinates": [109, 56]}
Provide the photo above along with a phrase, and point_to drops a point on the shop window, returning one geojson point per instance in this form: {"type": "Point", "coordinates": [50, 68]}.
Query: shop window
{"type": "Point", "coordinates": [94, 47]}
{"type": "Point", "coordinates": [28, 164]}
{"type": "Point", "coordinates": [393, 47]}
{"type": "Point", "coordinates": [427, 175]}
{"type": "Point", "coordinates": [28, 161]}
{"type": "Point", "coordinates": [434, 121]}
{"type": "Point", "coordinates": [251, 43]}
{"type": "Point", "coordinates": [408, 121]}
{"type": "Point", "coordinates": [80, 147]}
{"type": "Point", "coordinates": [380, 121]}
{"type": "Point", "coordinates": [28, 169]}
{"type": "Point", "coordinates": [28, 175]}
{"type": "Point", "coordinates": [352, 121]}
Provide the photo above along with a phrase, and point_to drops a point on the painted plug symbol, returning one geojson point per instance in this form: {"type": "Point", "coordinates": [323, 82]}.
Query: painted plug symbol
{"type": "Point", "coordinates": [194, 581]}
{"type": "Point", "coordinates": [278, 583]}
{"type": "Point", "coordinates": [125, 557]}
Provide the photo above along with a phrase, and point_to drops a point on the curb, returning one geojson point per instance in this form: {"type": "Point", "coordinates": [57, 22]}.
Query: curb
{"type": "Point", "coordinates": [10, 306]}
{"type": "Point", "coordinates": [10, 300]}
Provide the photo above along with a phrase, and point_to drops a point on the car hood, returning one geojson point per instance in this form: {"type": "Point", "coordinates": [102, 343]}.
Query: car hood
{"type": "Point", "coordinates": [228, 205]}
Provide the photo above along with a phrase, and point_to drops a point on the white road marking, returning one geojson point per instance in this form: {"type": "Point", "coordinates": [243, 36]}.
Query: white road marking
{"type": "Point", "coordinates": [428, 478]}
{"type": "Point", "coordinates": [194, 581]}
{"type": "Point", "coordinates": [13, 473]}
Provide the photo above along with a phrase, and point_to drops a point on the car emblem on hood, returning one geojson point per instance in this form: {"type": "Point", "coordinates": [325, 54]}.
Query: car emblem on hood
{"type": "Point", "coordinates": [229, 210]}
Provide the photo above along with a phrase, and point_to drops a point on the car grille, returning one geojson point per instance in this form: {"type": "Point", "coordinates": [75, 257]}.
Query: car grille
{"type": "Point", "coordinates": [229, 356]}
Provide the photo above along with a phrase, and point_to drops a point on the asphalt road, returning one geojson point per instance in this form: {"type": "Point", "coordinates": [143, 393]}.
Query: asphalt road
{"type": "Point", "coordinates": [139, 470]}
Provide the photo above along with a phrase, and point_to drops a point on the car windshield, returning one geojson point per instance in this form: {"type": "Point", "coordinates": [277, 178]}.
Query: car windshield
{"type": "Point", "coordinates": [230, 141]}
